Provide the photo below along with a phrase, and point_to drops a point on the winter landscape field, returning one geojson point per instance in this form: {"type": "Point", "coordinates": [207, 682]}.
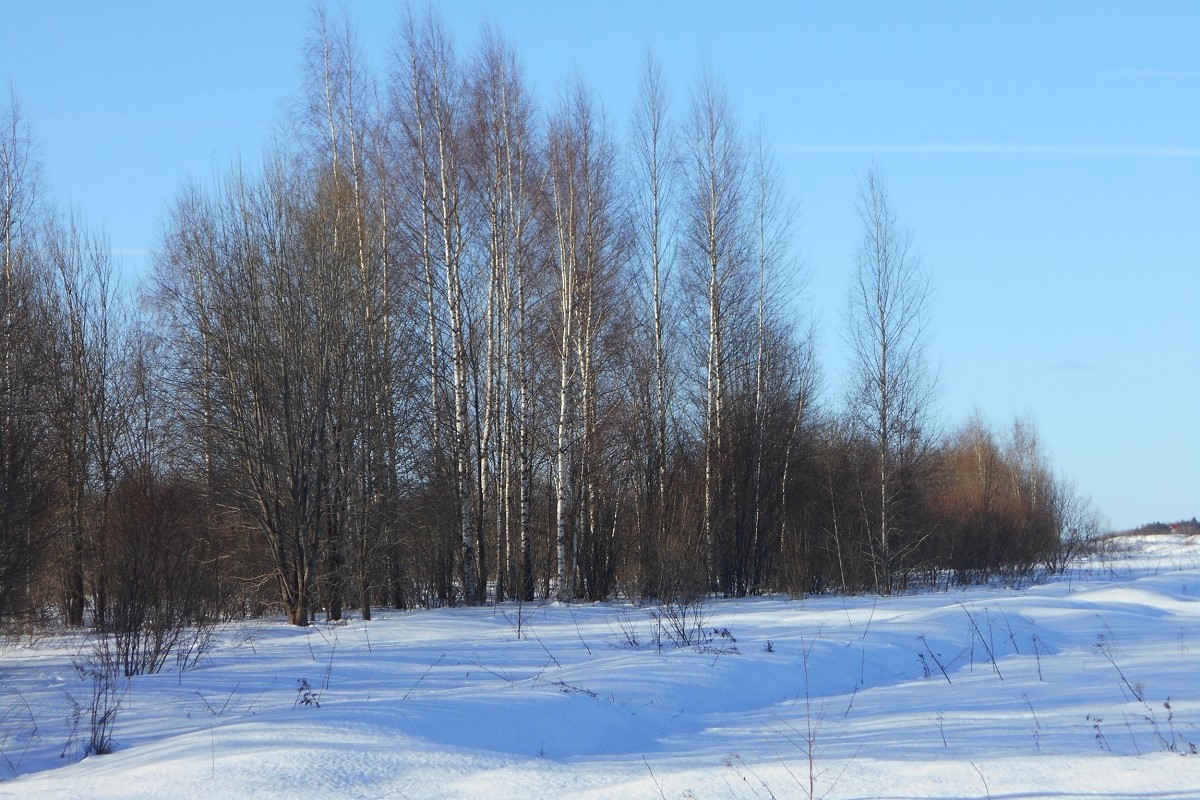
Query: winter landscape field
{"type": "Point", "coordinates": [759, 351]}
{"type": "Point", "coordinates": [1082, 685]}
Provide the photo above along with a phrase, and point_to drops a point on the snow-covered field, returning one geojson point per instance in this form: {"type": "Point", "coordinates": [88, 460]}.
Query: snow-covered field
{"type": "Point", "coordinates": [1086, 686]}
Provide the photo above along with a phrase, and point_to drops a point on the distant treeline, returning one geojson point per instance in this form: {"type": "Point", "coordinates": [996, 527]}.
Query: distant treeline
{"type": "Point", "coordinates": [1185, 527]}
{"type": "Point", "coordinates": [448, 346]}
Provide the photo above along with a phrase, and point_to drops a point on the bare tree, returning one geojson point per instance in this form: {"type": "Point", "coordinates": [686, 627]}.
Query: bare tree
{"type": "Point", "coordinates": [718, 239]}
{"type": "Point", "coordinates": [892, 389]}
{"type": "Point", "coordinates": [654, 173]}
{"type": "Point", "coordinates": [782, 371]}
{"type": "Point", "coordinates": [87, 413]}
{"type": "Point", "coordinates": [410, 125]}
{"type": "Point", "coordinates": [26, 480]}
{"type": "Point", "coordinates": [432, 114]}
{"type": "Point", "coordinates": [564, 169]}
{"type": "Point", "coordinates": [589, 255]}
{"type": "Point", "coordinates": [245, 286]}
{"type": "Point", "coordinates": [19, 178]}
{"type": "Point", "coordinates": [503, 165]}
{"type": "Point", "coordinates": [343, 142]}
{"type": "Point", "coordinates": [161, 595]}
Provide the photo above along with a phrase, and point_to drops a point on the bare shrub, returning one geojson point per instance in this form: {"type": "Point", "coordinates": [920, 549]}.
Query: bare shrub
{"type": "Point", "coordinates": [17, 723]}
{"type": "Point", "coordinates": [1079, 529]}
{"type": "Point", "coordinates": [159, 600]}
{"type": "Point", "coordinates": [625, 630]}
{"type": "Point", "coordinates": [683, 622]}
{"type": "Point", "coordinates": [105, 695]}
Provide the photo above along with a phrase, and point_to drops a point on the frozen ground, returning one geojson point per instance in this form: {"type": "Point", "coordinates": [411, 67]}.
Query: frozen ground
{"type": "Point", "coordinates": [1084, 687]}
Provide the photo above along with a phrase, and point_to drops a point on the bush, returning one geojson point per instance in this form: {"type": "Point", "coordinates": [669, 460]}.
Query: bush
{"type": "Point", "coordinates": [107, 693]}
{"type": "Point", "coordinates": [159, 598]}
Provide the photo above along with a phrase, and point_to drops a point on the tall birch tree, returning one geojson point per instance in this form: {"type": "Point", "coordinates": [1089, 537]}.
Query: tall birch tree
{"type": "Point", "coordinates": [715, 177]}
{"type": "Point", "coordinates": [433, 114]}
{"type": "Point", "coordinates": [653, 178]}
{"type": "Point", "coordinates": [891, 385]}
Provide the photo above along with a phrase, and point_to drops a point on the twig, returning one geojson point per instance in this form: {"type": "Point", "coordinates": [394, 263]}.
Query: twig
{"type": "Point", "coordinates": [935, 658]}
{"type": "Point", "coordinates": [657, 785]}
{"type": "Point", "coordinates": [982, 641]}
{"type": "Point", "coordinates": [543, 645]}
{"type": "Point", "coordinates": [211, 710]}
{"type": "Point", "coordinates": [236, 686]}
{"type": "Point", "coordinates": [505, 678]}
{"type": "Point", "coordinates": [871, 618]}
{"type": "Point", "coordinates": [423, 674]}
{"type": "Point", "coordinates": [254, 702]}
{"type": "Point", "coordinates": [1103, 650]}
{"type": "Point", "coordinates": [579, 633]}
{"type": "Point", "coordinates": [567, 688]}
{"type": "Point", "coordinates": [757, 777]}
{"type": "Point", "coordinates": [329, 668]}
{"type": "Point", "coordinates": [1011, 636]}
{"type": "Point", "coordinates": [1037, 652]}
{"type": "Point", "coordinates": [1037, 725]}
{"type": "Point", "coordinates": [1132, 738]}
{"type": "Point", "coordinates": [308, 640]}
{"type": "Point", "coordinates": [986, 790]}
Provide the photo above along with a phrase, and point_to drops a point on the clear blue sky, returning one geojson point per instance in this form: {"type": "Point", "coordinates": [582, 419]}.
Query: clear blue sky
{"type": "Point", "coordinates": [1044, 156]}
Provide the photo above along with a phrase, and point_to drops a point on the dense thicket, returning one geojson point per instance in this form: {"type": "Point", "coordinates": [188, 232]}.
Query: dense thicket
{"type": "Point", "coordinates": [448, 345]}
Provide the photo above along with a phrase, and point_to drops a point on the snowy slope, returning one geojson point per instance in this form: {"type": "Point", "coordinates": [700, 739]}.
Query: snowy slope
{"type": "Point", "coordinates": [1058, 690]}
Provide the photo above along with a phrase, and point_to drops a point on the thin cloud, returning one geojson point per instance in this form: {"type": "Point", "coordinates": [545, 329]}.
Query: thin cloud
{"type": "Point", "coordinates": [978, 148]}
{"type": "Point", "coordinates": [1072, 365]}
{"type": "Point", "coordinates": [1156, 73]}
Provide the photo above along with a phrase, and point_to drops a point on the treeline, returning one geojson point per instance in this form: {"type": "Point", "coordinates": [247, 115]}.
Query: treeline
{"type": "Point", "coordinates": [1184, 527]}
{"type": "Point", "coordinates": [449, 346]}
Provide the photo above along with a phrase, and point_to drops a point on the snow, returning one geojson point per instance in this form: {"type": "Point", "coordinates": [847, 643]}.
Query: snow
{"type": "Point", "coordinates": [1054, 690]}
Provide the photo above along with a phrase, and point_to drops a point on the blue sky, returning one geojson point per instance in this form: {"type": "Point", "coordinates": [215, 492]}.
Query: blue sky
{"type": "Point", "coordinates": [1044, 156]}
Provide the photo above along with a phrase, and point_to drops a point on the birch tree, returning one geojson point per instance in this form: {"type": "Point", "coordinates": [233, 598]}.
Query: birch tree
{"type": "Point", "coordinates": [592, 309]}
{"type": "Point", "coordinates": [715, 176]}
{"type": "Point", "coordinates": [345, 140]}
{"type": "Point", "coordinates": [563, 167]}
{"type": "Point", "coordinates": [504, 166]}
{"type": "Point", "coordinates": [782, 376]}
{"type": "Point", "coordinates": [431, 94]}
{"type": "Point", "coordinates": [653, 174]}
{"type": "Point", "coordinates": [891, 386]}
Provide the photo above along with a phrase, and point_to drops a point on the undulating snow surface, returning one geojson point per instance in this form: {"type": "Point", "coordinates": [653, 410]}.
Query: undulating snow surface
{"type": "Point", "coordinates": [1085, 686]}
